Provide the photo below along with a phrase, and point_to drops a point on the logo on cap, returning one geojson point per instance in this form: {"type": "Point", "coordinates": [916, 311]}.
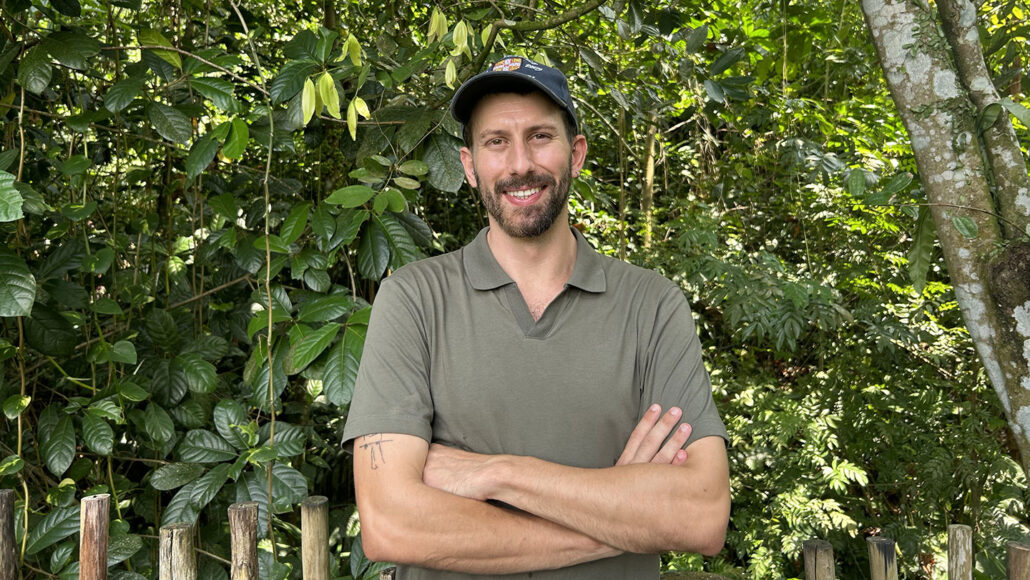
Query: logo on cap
{"type": "Point", "coordinates": [508, 64]}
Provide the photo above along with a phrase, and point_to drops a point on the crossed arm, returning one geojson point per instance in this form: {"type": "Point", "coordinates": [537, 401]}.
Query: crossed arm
{"type": "Point", "coordinates": [422, 504]}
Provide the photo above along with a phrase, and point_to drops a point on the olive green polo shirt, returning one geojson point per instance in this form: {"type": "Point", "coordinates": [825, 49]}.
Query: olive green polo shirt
{"type": "Point", "coordinates": [454, 356]}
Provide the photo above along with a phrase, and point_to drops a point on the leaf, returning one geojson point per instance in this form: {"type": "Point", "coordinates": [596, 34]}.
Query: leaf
{"type": "Point", "coordinates": [99, 262]}
{"type": "Point", "coordinates": [353, 50]}
{"type": "Point", "coordinates": [325, 308]}
{"type": "Point", "coordinates": [450, 76]}
{"type": "Point", "coordinates": [330, 96]}
{"type": "Point", "coordinates": [17, 285]}
{"type": "Point", "coordinates": [307, 101]}
{"type": "Point", "coordinates": [157, 423]}
{"type": "Point", "coordinates": [202, 446]}
{"type": "Point", "coordinates": [308, 348]}
{"type": "Point", "coordinates": [237, 141]}
{"type": "Point", "coordinates": [181, 510]}
{"type": "Point", "coordinates": [173, 475]}
{"type": "Point", "coordinates": [220, 91]}
{"type": "Point", "coordinates": [49, 332]}
{"type": "Point", "coordinates": [856, 182]}
{"type": "Point", "coordinates": [725, 61]}
{"type": "Point", "coordinates": [445, 169]}
{"type": "Point", "coordinates": [988, 116]}
{"type": "Point", "coordinates": [289, 487]}
{"type": "Point", "coordinates": [74, 165]}
{"type": "Point", "coordinates": [1017, 110]}
{"type": "Point", "coordinates": [966, 226]}
{"type": "Point", "coordinates": [59, 449]}
{"type": "Point", "coordinates": [10, 200]}
{"type": "Point", "coordinates": [414, 167]}
{"type": "Point", "coordinates": [97, 434]}
{"type": "Point", "coordinates": [922, 247]}
{"type": "Point", "coordinates": [124, 352]}
{"type": "Point", "coordinates": [201, 376]}
{"type": "Point", "coordinates": [34, 71]}
{"type": "Point", "coordinates": [55, 526]}
{"type": "Point", "coordinates": [402, 247]}
{"type": "Point", "coordinates": [361, 107]}
{"type": "Point", "coordinates": [207, 487]}
{"type": "Point", "coordinates": [352, 121]}
{"type": "Point", "coordinates": [351, 196]}
{"type": "Point", "coordinates": [72, 48]}
{"type": "Point", "coordinates": [130, 391]}
{"type": "Point", "coordinates": [229, 415]}
{"type": "Point", "coordinates": [373, 252]}
{"type": "Point", "coordinates": [67, 7]}
{"type": "Point", "coordinates": [11, 465]}
{"type": "Point", "coordinates": [14, 405]}
{"type": "Point", "coordinates": [201, 155]}
{"type": "Point", "coordinates": [714, 91]}
{"type": "Point", "coordinates": [151, 37]}
{"type": "Point", "coordinates": [122, 547]}
{"type": "Point", "coordinates": [341, 367]}
{"type": "Point", "coordinates": [407, 183]}
{"type": "Point", "coordinates": [170, 122]}
{"type": "Point", "coordinates": [161, 328]}
{"type": "Point", "coordinates": [294, 224]}
{"type": "Point", "coordinates": [290, 80]}
{"type": "Point", "coordinates": [895, 184]}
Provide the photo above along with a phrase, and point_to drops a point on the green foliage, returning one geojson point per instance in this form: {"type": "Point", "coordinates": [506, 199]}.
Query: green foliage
{"type": "Point", "coordinates": [198, 202]}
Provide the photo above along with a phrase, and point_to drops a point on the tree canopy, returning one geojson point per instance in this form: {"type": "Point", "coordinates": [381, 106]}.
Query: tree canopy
{"type": "Point", "coordinates": [198, 201]}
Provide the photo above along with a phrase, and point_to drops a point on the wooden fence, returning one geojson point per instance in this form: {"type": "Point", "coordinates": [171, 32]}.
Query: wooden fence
{"type": "Point", "coordinates": [177, 558]}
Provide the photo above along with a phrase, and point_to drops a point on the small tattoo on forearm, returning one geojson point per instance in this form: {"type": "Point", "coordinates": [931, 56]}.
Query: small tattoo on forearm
{"type": "Point", "coordinates": [374, 444]}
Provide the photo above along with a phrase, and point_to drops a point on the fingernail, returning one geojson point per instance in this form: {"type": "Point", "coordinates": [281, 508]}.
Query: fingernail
{"type": "Point", "coordinates": [654, 409]}
{"type": "Point", "coordinates": [676, 412]}
{"type": "Point", "coordinates": [684, 427]}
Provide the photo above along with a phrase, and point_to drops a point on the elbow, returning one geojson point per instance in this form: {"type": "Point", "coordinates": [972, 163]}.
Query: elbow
{"type": "Point", "coordinates": [374, 541]}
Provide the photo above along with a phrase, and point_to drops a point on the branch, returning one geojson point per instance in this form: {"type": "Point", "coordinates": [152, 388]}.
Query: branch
{"type": "Point", "coordinates": [235, 76]}
{"type": "Point", "coordinates": [527, 26]}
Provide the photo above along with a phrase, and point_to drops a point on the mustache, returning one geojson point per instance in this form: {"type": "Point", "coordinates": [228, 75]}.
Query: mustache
{"type": "Point", "coordinates": [523, 182]}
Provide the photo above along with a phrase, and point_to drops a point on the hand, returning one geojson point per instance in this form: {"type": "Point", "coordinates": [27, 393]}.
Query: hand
{"type": "Point", "coordinates": [455, 471]}
{"type": "Point", "coordinates": [645, 442]}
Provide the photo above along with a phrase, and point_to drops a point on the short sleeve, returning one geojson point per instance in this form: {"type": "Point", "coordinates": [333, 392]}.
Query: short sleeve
{"type": "Point", "coordinates": [391, 392]}
{"type": "Point", "coordinates": [674, 374]}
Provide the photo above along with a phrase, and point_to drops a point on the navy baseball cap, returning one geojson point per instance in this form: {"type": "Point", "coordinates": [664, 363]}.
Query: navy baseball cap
{"type": "Point", "coordinates": [509, 72]}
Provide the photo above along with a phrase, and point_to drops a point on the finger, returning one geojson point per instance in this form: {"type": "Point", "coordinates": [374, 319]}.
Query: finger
{"type": "Point", "coordinates": [674, 445]}
{"type": "Point", "coordinates": [656, 436]}
{"type": "Point", "coordinates": [644, 427]}
{"type": "Point", "coordinates": [680, 458]}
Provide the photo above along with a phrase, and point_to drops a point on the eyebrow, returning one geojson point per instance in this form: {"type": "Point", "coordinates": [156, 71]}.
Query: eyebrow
{"type": "Point", "coordinates": [533, 129]}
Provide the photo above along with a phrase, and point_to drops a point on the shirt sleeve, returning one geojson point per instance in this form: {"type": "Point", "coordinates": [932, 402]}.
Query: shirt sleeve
{"type": "Point", "coordinates": [674, 374]}
{"type": "Point", "coordinates": [391, 391]}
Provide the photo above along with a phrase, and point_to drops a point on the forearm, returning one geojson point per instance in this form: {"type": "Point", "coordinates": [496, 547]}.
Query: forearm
{"type": "Point", "coordinates": [643, 508]}
{"type": "Point", "coordinates": [414, 524]}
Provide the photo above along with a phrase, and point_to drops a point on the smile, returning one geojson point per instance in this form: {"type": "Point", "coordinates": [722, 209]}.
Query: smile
{"type": "Point", "coordinates": [524, 193]}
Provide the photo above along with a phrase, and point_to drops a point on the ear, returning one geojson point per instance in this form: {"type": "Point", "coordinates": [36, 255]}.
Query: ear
{"type": "Point", "coordinates": [466, 162]}
{"type": "Point", "coordinates": [579, 154]}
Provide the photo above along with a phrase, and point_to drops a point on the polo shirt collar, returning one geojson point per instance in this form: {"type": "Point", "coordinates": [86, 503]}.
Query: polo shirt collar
{"type": "Point", "coordinates": [484, 273]}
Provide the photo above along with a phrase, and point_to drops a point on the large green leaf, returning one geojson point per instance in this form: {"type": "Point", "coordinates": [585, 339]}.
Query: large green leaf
{"type": "Point", "coordinates": [55, 526]}
{"type": "Point", "coordinates": [289, 439]}
{"type": "Point", "coordinates": [351, 196]}
{"type": "Point", "coordinates": [201, 155]}
{"type": "Point", "coordinates": [236, 142]}
{"type": "Point", "coordinates": [202, 446]}
{"type": "Point", "coordinates": [173, 475]}
{"type": "Point", "coordinates": [326, 308]}
{"type": "Point", "coordinates": [10, 199]}
{"type": "Point", "coordinates": [168, 382]}
{"type": "Point", "coordinates": [97, 434]}
{"type": "Point", "coordinates": [121, 547]}
{"type": "Point", "coordinates": [201, 376]}
{"type": "Point", "coordinates": [59, 449]}
{"type": "Point", "coordinates": [17, 285]}
{"type": "Point", "coordinates": [151, 37]}
{"type": "Point", "coordinates": [402, 248]}
{"type": "Point", "coordinates": [294, 224]}
{"type": "Point", "coordinates": [161, 328]}
{"type": "Point", "coordinates": [158, 424]}
{"type": "Point", "coordinates": [220, 91]}
{"type": "Point", "coordinates": [49, 332]}
{"type": "Point", "coordinates": [341, 367]}
{"type": "Point", "coordinates": [290, 79]}
{"type": "Point", "coordinates": [34, 71]}
{"type": "Point", "coordinates": [229, 417]}
{"type": "Point", "coordinates": [181, 509]}
{"type": "Point", "coordinates": [922, 247]}
{"type": "Point", "coordinates": [72, 48]}
{"type": "Point", "coordinates": [207, 486]}
{"type": "Point", "coordinates": [170, 122]}
{"type": "Point", "coordinates": [444, 161]}
{"type": "Point", "coordinates": [308, 348]}
{"type": "Point", "coordinates": [289, 487]}
{"type": "Point", "coordinates": [373, 252]}
{"type": "Point", "coordinates": [67, 7]}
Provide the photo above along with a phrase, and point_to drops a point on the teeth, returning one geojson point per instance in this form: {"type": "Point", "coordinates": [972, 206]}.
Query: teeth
{"type": "Point", "coordinates": [523, 194]}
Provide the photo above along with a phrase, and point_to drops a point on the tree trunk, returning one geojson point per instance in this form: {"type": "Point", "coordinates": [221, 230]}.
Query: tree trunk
{"type": "Point", "coordinates": [942, 87]}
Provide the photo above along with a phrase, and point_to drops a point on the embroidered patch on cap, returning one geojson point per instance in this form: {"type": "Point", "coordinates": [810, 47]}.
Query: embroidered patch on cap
{"type": "Point", "coordinates": [508, 64]}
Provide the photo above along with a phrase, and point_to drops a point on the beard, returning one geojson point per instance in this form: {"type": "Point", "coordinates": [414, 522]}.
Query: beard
{"type": "Point", "coordinates": [527, 222]}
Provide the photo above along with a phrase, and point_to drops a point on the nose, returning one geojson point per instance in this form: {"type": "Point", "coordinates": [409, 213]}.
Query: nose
{"type": "Point", "coordinates": [520, 159]}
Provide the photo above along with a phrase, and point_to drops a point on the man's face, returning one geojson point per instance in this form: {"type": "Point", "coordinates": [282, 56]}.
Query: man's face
{"type": "Point", "coordinates": [522, 162]}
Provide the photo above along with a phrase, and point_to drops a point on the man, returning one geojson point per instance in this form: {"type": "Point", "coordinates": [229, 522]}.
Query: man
{"type": "Point", "coordinates": [507, 416]}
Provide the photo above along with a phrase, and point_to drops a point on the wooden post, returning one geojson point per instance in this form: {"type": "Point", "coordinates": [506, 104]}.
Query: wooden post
{"type": "Point", "coordinates": [883, 565]}
{"type": "Point", "coordinates": [1018, 563]}
{"type": "Point", "coordinates": [177, 560]}
{"type": "Point", "coordinates": [960, 552]}
{"type": "Point", "coordinates": [314, 534]}
{"type": "Point", "coordinates": [243, 520]}
{"type": "Point", "coordinates": [818, 560]}
{"type": "Point", "coordinates": [8, 551]}
{"type": "Point", "coordinates": [93, 526]}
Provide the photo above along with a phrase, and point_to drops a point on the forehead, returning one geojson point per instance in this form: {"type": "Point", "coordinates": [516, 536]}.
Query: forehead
{"type": "Point", "coordinates": [500, 110]}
